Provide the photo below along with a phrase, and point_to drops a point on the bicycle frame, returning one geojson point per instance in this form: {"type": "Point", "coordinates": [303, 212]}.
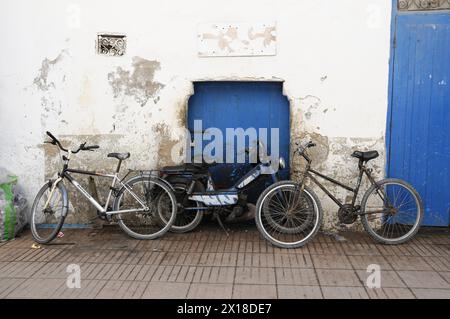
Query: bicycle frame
{"type": "Point", "coordinates": [115, 180]}
{"type": "Point", "coordinates": [309, 173]}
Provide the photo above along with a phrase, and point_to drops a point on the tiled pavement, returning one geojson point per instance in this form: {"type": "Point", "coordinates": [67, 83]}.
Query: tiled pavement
{"type": "Point", "coordinates": [208, 264]}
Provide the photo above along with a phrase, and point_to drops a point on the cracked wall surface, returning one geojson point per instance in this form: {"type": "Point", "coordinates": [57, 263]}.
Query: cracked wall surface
{"type": "Point", "coordinates": [334, 66]}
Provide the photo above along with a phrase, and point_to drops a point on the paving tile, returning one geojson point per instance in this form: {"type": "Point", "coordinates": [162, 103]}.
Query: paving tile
{"type": "Point", "coordinates": [293, 260]}
{"type": "Point", "coordinates": [439, 263]}
{"type": "Point", "coordinates": [143, 273]}
{"type": "Point", "coordinates": [432, 293]}
{"type": "Point", "coordinates": [37, 288]}
{"type": "Point", "coordinates": [175, 258]}
{"type": "Point", "coordinates": [338, 277]}
{"type": "Point", "coordinates": [123, 272]}
{"type": "Point", "coordinates": [344, 293]}
{"type": "Point", "coordinates": [214, 275]}
{"type": "Point", "coordinates": [218, 259]}
{"type": "Point", "coordinates": [296, 276]}
{"type": "Point", "coordinates": [174, 273]}
{"type": "Point", "coordinates": [210, 291]}
{"type": "Point", "coordinates": [390, 293]}
{"type": "Point", "coordinates": [254, 291]}
{"type": "Point", "coordinates": [317, 248]}
{"type": "Point", "coordinates": [360, 249]}
{"type": "Point", "coordinates": [166, 290]}
{"type": "Point", "coordinates": [389, 279]}
{"type": "Point", "coordinates": [299, 292]}
{"type": "Point", "coordinates": [251, 275]}
{"type": "Point", "coordinates": [445, 275]}
{"type": "Point", "coordinates": [397, 250]}
{"type": "Point", "coordinates": [409, 263]}
{"type": "Point", "coordinates": [427, 250]}
{"type": "Point", "coordinates": [423, 279]}
{"type": "Point", "coordinates": [152, 258]}
{"type": "Point", "coordinates": [363, 262]}
{"type": "Point", "coordinates": [52, 270]}
{"type": "Point", "coordinates": [9, 284]}
{"type": "Point", "coordinates": [122, 289]}
{"type": "Point", "coordinates": [21, 269]}
{"type": "Point", "coordinates": [88, 290]}
{"type": "Point", "coordinates": [331, 262]}
{"type": "Point", "coordinates": [255, 260]}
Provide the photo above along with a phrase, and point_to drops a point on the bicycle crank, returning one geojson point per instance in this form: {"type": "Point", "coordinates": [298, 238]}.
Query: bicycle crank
{"type": "Point", "coordinates": [347, 215]}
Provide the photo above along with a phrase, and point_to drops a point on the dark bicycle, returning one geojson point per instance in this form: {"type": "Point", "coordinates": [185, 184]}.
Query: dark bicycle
{"type": "Point", "coordinates": [144, 205]}
{"type": "Point", "coordinates": [197, 194]}
{"type": "Point", "coordinates": [391, 210]}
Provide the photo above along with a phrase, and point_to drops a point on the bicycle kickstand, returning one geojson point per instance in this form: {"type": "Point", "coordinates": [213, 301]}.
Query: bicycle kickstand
{"type": "Point", "coordinates": [219, 220]}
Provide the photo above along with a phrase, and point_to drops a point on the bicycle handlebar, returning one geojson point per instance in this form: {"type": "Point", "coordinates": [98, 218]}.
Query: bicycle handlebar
{"type": "Point", "coordinates": [82, 146]}
{"type": "Point", "coordinates": [302, 147]}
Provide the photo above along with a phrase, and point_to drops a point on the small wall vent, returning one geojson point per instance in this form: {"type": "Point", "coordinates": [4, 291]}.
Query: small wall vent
{"type": "Point", "coordinates": [111, 44]}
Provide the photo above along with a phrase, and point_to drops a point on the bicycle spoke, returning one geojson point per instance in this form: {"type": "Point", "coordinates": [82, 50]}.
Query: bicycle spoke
{"type": "Point", "coordinates": [396, 213]}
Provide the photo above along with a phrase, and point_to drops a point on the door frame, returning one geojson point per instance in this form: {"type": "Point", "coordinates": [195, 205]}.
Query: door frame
{"type": "Point", "coordinates": [394, 13]}
{"type": "Point", "coordinates": [246, 79]}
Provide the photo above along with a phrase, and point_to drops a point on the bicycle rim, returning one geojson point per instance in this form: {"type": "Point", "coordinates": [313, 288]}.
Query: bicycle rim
{"type": "Point", "coordinates": [288, 217]}
{"type": "Point", "coordinates": [147, 224]}
{"type": "Point", "coordinates": [392, 212]}
{"type": "Point", "coordinates": [46, 223]}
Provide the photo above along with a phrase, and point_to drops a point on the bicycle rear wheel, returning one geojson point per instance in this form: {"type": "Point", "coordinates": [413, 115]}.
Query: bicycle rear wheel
{"type": "Point", "coordinates": [159, 199]}
{"type": "Point", "coordinates": [46, 223]}
{"type": "Point", "coordinates": [392, 211]}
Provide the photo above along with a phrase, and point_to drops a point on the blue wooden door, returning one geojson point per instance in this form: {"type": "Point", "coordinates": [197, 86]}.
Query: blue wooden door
{"type": "Point", "coordinates": [243, 105]}
{"type": "Point", "coordinates": [419, 140]}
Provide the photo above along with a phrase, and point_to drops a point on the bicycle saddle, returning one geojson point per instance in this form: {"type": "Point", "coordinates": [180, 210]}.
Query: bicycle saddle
{"type": "Point", "coordinates": [366, 156]}
{"type": "Point", "coordinates": [119, 156]}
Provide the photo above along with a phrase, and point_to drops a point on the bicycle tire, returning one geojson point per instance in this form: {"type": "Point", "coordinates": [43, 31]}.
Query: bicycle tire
{"type": "Point", "coordinates": [365, 221]}
{"type": "Point", "coordinates": [165, 228]}
{"type": "Point", "coordinates": [59, 224]}
{"type": "Point", "coordinates": [278, 243]}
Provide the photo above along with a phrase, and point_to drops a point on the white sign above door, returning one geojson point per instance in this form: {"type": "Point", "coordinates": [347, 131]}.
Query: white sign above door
{"type": "Point", "coordinates": [237, 39]}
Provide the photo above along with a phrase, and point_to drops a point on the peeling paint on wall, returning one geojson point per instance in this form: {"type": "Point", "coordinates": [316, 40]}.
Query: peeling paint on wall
{"type": "Point", "coordinates": [137, 83]}
{"type": "Point", "coordinates": [50, 84]}
{"type": "Point", "coordinates": [166, 145]}
{"type": "Point", "coordinates": [41, 81]}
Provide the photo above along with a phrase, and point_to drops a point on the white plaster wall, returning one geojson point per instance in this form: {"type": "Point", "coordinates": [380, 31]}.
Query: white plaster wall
{"type": "Point", "coordinates": [333, 56]}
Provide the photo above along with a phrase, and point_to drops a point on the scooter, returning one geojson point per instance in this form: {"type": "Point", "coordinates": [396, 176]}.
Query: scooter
{"type": "Point", "coordinates": [198, 195]}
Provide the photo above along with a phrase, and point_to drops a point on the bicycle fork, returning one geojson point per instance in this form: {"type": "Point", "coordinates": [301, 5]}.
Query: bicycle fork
{"type": "Point", "coordinates": [55, 183]}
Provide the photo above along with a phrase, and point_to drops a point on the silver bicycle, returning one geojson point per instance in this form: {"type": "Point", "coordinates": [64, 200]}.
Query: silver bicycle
{"type": "Point", "coordinates": [145, 206]}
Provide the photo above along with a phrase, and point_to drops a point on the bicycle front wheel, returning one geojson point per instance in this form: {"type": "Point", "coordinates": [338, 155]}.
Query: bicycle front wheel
{"type": "Point", "coordinates": [288, 217]}
{"type": "Point", "coordinates": [392, 211]}
{"type": "Point", "coordinates": [160, 201]}
{"type": "Point", "coordinates": [48, 212]}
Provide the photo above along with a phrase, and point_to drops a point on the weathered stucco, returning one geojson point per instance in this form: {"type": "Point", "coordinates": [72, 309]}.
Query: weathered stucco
{"type": "Point", "coordinates": [137, 83]}
{"type": "Point", "coordinates": [331, 55]}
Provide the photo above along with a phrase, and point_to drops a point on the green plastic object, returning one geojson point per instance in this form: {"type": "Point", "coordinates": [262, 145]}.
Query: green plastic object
{"type": "Point", "coordinates": [9, 220]}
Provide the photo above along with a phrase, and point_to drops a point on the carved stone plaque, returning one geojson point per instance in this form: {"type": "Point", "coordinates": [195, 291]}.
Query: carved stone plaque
{"type": "Point", "coordinates": [237, 39]}
{"type": "Point", "coordinates": [423, 5]}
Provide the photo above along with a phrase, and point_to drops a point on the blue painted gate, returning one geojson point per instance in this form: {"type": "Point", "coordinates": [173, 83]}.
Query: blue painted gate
{"type": "Point", "coordinates": [419, 118]}
{"type": "Point", "coordinates": [241, 105]}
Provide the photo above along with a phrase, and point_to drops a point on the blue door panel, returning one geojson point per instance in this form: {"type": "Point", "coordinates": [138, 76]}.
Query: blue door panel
{"type": "Point", "coordinates": [420, 111]}
{"type": "Point", "coordinates": [240, 105]}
